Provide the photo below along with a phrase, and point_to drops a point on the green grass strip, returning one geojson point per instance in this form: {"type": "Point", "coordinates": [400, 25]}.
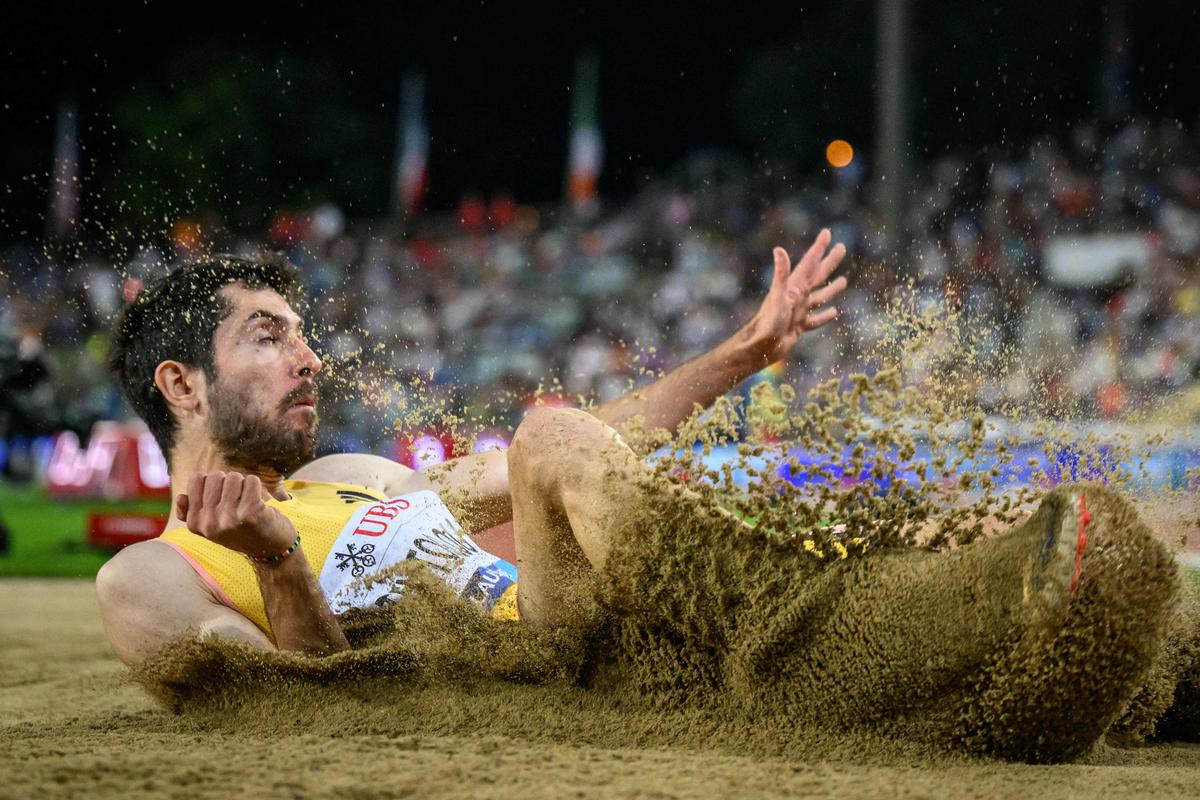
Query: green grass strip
{"type": "Point", "coordinates": [48, 538]}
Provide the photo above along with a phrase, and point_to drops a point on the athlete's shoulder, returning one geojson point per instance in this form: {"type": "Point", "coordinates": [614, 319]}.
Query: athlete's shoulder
{"type": "Point", "coordinates": [364, 470]}
{"type": "Point", "coordinates": [149, 596]}
{"type": "Point", "coordinates": [139, 572]}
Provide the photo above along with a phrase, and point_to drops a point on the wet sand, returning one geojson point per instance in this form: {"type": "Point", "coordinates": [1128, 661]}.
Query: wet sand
{"type": "Point", "coordinates": [72, 724]}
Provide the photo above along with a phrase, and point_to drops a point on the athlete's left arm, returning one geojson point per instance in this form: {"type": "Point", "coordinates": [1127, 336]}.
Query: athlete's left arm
{"type": "Point", "coordinates": [475, 487]}
{"type": "Point", "coordinates": [797, 302]}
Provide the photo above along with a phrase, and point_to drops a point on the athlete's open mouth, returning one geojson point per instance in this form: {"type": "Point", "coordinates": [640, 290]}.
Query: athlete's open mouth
{"type": "Point", "coordinates": [301, 396]}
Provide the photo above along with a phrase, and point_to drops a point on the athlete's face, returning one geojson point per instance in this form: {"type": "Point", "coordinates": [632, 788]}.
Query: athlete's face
{"type": "Point", "coordinates": [263, 400]}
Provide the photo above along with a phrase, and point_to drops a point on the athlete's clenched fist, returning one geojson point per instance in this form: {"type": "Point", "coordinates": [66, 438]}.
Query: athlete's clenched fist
{"type": "Point", "coordinates": [228, 508]}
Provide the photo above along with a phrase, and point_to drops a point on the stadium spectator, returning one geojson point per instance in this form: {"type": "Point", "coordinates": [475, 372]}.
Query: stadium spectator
{"type": "Point", "coordinates": [482, 306]}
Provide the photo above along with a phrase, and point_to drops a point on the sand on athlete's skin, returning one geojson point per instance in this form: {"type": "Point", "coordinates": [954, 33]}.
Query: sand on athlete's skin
{"type": "Point", "coordinates": [70, 725]}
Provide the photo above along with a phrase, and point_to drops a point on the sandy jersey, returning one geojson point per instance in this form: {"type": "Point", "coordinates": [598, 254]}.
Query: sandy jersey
{"type": "Point", "coordinates": [353, 537]}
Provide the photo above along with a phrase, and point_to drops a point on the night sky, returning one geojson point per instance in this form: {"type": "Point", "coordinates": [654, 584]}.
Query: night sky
{"type": "Point", "coordinates": [673, 77]}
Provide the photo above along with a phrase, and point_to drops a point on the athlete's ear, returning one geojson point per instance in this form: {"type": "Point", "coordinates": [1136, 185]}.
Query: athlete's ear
{"type": "Point", "coordinates": [183, 387]}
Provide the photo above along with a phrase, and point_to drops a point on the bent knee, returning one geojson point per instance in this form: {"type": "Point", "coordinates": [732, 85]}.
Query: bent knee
{"type": "Point", "coordinates": [547, 430]}
{"type": "Point", "coordinates": [538, 443]}
{"type": "Point", "coordinates": [552, 442]}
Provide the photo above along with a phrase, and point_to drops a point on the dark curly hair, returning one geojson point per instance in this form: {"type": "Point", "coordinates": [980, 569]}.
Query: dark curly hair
{"type": "Point", "coordinates": [174, 318]}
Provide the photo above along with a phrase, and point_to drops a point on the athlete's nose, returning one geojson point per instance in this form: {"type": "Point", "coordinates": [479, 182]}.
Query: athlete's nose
{"type": "Point", "coordinates": [308, 361]}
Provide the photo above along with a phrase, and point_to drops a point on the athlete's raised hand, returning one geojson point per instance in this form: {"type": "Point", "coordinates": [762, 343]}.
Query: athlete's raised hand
{"type": "Point", "coordinates": [228, 508]}
{"type": "Point", "coordinates": [798, 298]}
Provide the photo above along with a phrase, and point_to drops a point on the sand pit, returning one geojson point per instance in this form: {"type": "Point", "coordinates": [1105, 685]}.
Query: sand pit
{"type": "Point", "coordinates": [719, 660]}
{"type": "Point", "coordinates": [72, 725]}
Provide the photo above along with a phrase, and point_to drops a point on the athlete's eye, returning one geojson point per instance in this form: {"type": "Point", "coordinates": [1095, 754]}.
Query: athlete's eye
{"type": "Point", "coordinates": [268, 339]}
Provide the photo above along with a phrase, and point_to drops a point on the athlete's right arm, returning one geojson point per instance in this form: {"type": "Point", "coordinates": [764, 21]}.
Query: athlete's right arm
{"type": "Point", "coordinates": [228, 508]}
{"type": "Point", "coordinates": [149, 597]}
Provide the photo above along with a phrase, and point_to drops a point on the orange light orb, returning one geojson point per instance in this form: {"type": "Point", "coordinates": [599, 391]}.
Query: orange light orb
{"type": "Point", "coordinates": [839, 153]}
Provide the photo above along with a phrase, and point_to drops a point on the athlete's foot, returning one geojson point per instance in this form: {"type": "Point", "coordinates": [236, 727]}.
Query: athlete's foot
{"type": "Point", "coordinates": [910, 630]}
{"type": "Point", "coordinates": [1059, 533]}
{"type": "Point", "coordinates": [1094, 601]}
{"type": "Point", "coordinates": [1023, 645]}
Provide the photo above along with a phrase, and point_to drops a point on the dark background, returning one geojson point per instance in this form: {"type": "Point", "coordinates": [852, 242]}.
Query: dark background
{"type": "Point", "coordinates": [245, 108]}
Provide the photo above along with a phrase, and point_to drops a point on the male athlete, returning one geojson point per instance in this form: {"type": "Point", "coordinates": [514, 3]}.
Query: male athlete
{"type": "Point", "coordinates": [1037, 638]}
{"type": "Point", "coordinates": [265, 545]}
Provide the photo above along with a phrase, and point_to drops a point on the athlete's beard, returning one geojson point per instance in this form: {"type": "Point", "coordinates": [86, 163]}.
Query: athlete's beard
{"type": "Point", "coordinates": [250, 442]}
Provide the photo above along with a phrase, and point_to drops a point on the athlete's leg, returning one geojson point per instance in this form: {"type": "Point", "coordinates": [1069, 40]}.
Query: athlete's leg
{"type": "Point", "coordinates": [1036, 637]}
{"type": "Point", "coordinates": [576, 488]}
{"type": "Point", "coordinates": [1098, 594]}
{"type": "Point", "coordinates": [1025, 644]}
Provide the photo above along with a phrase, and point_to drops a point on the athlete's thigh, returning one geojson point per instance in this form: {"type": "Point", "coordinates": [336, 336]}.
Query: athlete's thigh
{"type": "Point", "coordinates": [582, 470]}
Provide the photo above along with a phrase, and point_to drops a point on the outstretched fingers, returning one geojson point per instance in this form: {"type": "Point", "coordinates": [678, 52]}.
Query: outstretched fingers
{"type": "Point", "coordinates": [823, 317]}
{"type": "Point", "coordinates": [804, 277]}
{"type": "Point", "coordinates": [783, 268]}
{"type": "Point", "coordinates": [826, 293]}
{"type": "Point", "coordinates": [828, 264]}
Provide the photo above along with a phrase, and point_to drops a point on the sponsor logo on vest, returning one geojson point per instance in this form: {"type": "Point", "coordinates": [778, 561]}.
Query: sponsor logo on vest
{"type": "Point", "coordinates": [416, 527]}
{"type": "Point", "coordinates": [375, 520]}
{"type": "Point", "coordinates": [357, 559]}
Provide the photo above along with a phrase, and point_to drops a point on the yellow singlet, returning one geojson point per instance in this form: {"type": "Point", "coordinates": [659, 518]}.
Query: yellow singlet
{"type": "Point", "coordinates": [349, 533]}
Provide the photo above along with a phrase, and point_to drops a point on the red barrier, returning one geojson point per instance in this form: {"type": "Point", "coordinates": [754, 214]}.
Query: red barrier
{"type": "Point", "coordinates": [115, 530]}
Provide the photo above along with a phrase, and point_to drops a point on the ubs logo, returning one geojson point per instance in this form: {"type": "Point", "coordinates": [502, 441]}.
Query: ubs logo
{"type": "Point", "coordinates": [379, 516]}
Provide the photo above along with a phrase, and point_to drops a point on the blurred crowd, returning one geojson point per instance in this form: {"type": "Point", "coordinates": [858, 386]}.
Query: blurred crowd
{"type": "Point", "coordinates": [480, 309]}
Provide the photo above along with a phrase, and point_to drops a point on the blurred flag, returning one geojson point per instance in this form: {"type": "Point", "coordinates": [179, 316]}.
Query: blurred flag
{"type": "Point", "coordinates": [64, 186]}
{"type": "Point", "coordinates": [1114, 77]}
{"type": "Point", "coordinates": [412, 146]}
{"type": "Point", "coordinates": [587, 148]}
